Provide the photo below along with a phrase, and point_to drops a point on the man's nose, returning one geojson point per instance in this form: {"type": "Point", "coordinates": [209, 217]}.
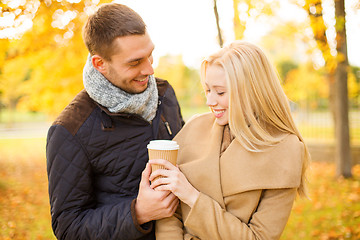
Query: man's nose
{"type": "Point", "coordinates": [147, 68]}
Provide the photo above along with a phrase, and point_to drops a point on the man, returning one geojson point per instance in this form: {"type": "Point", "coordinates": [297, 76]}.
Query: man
{"type": "Point", "coordinates": [96, 148]}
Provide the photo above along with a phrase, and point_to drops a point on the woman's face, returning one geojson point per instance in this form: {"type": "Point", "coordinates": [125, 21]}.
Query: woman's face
{"type": "Point", "coordinates": [217, 94]}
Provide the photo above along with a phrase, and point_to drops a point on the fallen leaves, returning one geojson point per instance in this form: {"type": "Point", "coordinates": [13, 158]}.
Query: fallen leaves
{"type": "Point", "coordinates": [332, 213]}
{"type": "Point", "coordinates": [334, 209]}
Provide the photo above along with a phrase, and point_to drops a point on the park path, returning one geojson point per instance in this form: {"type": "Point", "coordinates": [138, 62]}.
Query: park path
{"type": "Point", "coordinates": [24, 130]}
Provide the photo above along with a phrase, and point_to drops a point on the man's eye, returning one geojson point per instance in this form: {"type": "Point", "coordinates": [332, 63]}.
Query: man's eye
{"type": "Point", "coordinates": [133, 64]}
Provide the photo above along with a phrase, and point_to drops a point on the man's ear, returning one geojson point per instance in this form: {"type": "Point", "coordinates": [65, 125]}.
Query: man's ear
{"type": "Point", "coordinates": [98, 63]}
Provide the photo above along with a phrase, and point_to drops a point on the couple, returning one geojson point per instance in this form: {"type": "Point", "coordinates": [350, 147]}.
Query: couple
{"type": "Point", "coordinates": [239, 167]}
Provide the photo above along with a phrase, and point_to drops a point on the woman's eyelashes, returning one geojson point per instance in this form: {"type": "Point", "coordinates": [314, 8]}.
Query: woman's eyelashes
{"type": "Point", "coordinates": [207, 91]}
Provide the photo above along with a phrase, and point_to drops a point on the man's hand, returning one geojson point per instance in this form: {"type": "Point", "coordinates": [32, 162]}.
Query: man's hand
{"type": "Point", "coordinates": [152, 204]}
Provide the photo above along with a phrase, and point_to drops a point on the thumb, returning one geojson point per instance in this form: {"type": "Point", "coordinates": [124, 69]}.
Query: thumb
{"type": "Point", "coordinates": [145, 175]}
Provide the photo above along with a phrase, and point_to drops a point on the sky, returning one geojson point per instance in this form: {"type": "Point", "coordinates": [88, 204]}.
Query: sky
{"type": "Point", "coordinates": [188, 27]}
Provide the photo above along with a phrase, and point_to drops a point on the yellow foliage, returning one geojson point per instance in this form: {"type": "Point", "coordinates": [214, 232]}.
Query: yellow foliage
{"type": "Point", "coordinates": [4, 45]}
{"type": "Point", "coordinates": [42, 70]}
{"type": "Point", "coordinates": [172, 68]}
{"type": "Point", "coordinates": [14, 73]}
{"type": "Point", "coordinates": [304, 83]}
{"type": "Point", "coordinates": [185, 81]}
{"type": "Point", "coordinates": [353, 86]}
{"type": "Point", "coordinates": [246, 9]}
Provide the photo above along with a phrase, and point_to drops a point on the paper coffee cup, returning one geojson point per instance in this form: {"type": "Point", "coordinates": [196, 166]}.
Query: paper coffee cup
{"type": "Point", "coordinates": [162, 149]}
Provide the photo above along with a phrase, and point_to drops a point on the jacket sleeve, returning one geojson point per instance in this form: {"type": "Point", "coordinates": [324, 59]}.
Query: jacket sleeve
{"type": "Point", "coordinates": [208, 220]}
{"type": "Point", "coordinates": [74, 212]}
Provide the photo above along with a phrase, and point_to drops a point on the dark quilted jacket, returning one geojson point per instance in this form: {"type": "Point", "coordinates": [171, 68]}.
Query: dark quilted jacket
{"type": "Point", "coordinates": [94, 163]}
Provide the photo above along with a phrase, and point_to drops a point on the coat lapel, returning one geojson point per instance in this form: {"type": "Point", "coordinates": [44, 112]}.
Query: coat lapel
{"type": "Point", "coordinates": [238, 170]}
{"type": "Point", "coordinates": [199, 157]}
{"type": "Point", "coordinates": [277, 167]}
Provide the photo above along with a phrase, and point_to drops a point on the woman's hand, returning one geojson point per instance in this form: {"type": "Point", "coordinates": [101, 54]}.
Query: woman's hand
{"type": "Point", "coordinates": [172, 179]}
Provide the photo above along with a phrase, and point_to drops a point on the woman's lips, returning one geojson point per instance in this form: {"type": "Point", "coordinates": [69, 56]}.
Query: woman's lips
{"type": "Point", "coordinates": [218, 113]}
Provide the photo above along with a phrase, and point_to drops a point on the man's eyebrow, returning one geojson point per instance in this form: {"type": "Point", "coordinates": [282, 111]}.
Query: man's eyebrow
{"type": "Point", "coordinates": [140, 58]}
{"type": "Point", "coordinates": [135, 60]}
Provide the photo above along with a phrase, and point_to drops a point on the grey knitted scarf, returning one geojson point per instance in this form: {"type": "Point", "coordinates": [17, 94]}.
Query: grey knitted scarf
{"type": "Point", "coordinates": [115, 99]}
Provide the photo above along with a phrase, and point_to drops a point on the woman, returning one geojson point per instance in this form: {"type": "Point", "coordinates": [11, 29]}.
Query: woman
{"type": "Point", "coordinates": [244, 162]}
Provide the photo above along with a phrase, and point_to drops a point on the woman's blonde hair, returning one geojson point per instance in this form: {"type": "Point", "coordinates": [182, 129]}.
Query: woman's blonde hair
{"type": "Point", "coordinates": [258, 105]}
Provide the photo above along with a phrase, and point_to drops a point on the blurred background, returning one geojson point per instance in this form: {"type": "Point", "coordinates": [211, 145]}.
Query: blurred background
{"type": "Point", "coordinates": [314, 45]}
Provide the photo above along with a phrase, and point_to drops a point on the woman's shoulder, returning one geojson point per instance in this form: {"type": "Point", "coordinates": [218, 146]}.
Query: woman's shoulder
{"type": "Point", "coordinates": [195, 127]}
{"type": "Point", "coordinates": [290, 141]}
{"type": "Point", "coordinates": [200, 117]}
{"type": "Point", "coordinates": [276, 167]}
{"type": "Point", "coordinates": [199, 121]}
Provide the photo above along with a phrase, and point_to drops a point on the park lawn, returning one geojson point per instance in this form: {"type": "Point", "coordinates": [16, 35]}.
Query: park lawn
{"type": "Point", "coordinates": [24, 202]}
{"type": "Point", "coordinates": [332, 213]}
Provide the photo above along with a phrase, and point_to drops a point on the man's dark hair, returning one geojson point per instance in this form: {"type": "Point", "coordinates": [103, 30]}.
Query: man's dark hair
{"type": "Point", "coordinates": [109, 22]}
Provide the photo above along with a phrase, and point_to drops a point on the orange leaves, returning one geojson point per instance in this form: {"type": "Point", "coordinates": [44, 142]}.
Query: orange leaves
{"type": "Point", "coordinates": [42, 71]}
{"type": "Point", "coordinates": [333, 213]}
{"type": "Point", "coordinates": [334, 209]}
{"type": "Point", "coordinates": [316, 86]}
{"type": "Point", "coordinates": [185, 80]}
{"type": "Point", "coordinates": [24, 204]}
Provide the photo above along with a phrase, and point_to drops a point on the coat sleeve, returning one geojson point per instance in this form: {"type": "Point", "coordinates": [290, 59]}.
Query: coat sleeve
{"type": "Point", "coordinates": [208, 220]}
{"type": "Point", "coordinates": [171, 227]}
{"type": "Point", "coordinates": [74, 212]}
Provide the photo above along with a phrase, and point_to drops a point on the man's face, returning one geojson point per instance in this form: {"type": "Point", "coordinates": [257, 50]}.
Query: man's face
{"type": "Point", "coordinates": [131, 64]}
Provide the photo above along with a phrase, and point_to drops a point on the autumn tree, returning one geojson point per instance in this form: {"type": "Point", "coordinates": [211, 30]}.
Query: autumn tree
{"type": "Point", "coordinates": [246, 10]}
{"type": "Point", "coordinates": [337, 66]}
{"type": "Point", "coordinates": [342, 133]}
{"type": "Point", "coordinates": [51, 54]}
{"type": "Point", "coordinates": [184, 79]}
{"type": "Point", "coordinates": [220, 38]}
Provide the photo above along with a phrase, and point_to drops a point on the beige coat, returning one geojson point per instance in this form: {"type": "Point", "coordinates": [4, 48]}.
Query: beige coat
{"type": "Point", "coordinates": [244, 195]}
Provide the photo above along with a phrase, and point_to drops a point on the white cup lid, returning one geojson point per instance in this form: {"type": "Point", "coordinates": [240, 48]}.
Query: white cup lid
{"type": "Point", "coordinates": [163, 145]}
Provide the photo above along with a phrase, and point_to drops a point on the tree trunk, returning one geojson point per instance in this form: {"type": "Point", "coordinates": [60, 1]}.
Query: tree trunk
{"type": "Point", "coordinates": [343, 152]}
{"type": "Point", "coordinates": [218, 25]}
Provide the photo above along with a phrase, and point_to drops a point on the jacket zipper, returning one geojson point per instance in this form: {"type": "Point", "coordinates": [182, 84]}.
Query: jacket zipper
{"type": "Point", "coordinates": [167, 125]}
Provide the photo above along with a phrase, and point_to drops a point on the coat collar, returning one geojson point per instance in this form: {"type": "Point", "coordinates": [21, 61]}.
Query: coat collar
{"type": "Point", "coordinates": [276, 167]}
{"type": "Point", "coordinates": [238, 170]}
{"type": "Point", "coordinates": [202, 165]}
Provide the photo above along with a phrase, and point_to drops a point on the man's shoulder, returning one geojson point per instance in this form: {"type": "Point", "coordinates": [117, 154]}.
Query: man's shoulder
{"type": "Point", "coordinates": [162, 85]}
{"type": "Point", "coordinates": [75, 114]}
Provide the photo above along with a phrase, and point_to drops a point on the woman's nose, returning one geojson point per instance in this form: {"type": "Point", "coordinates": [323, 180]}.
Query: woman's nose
{"type": "Point", "coordinates": [210, 100]}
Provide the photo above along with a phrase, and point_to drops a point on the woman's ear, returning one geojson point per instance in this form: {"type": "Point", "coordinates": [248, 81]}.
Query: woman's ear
{"type": "Point", "coordinates": [98, 63]}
